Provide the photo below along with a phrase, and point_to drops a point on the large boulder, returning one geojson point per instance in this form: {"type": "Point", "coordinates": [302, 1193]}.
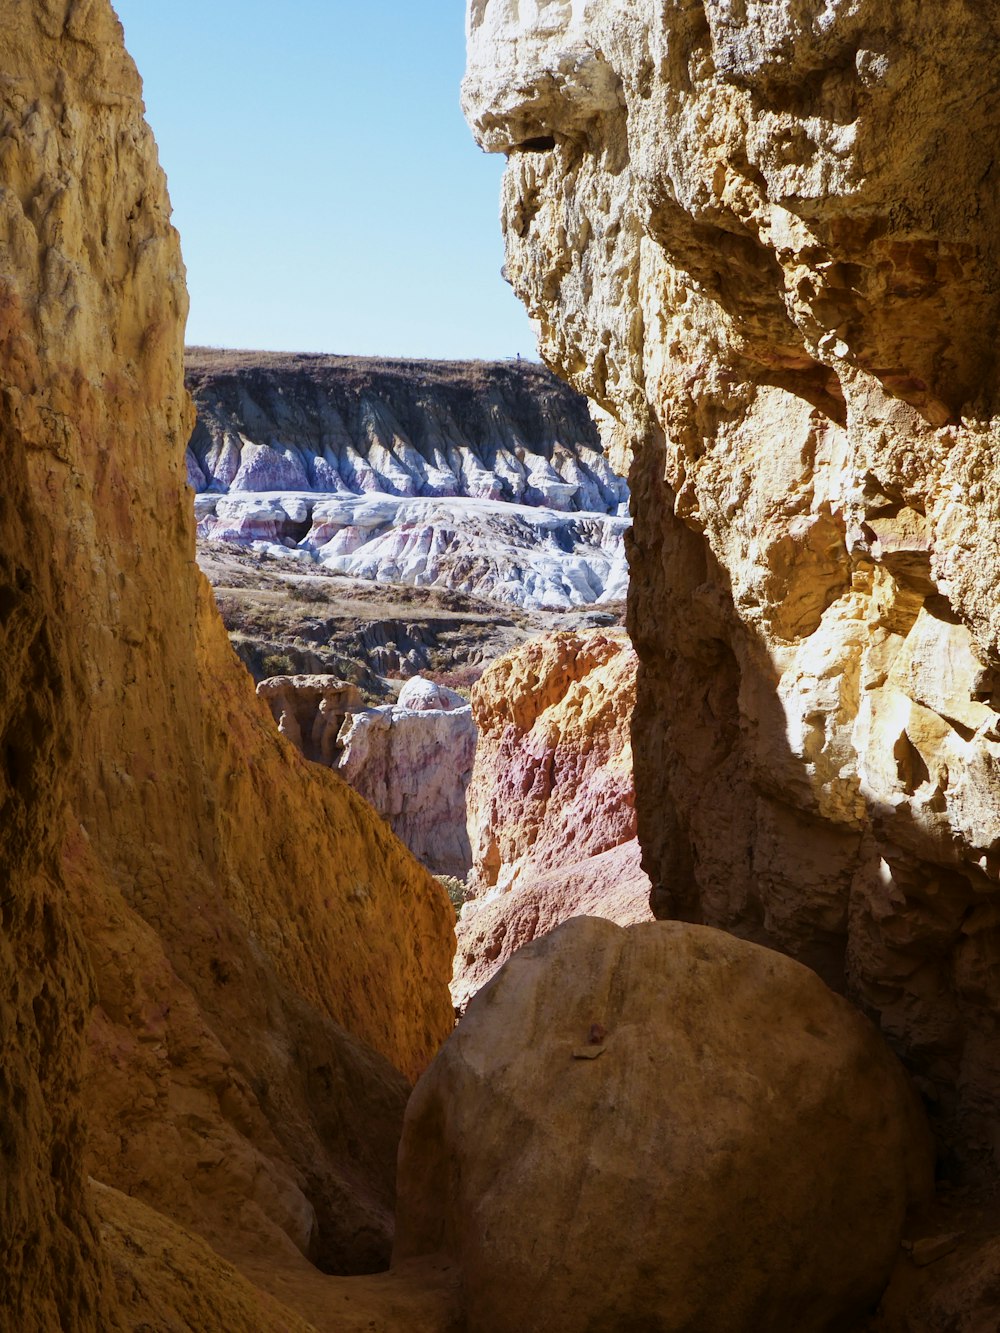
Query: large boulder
{"type": "Point", "coordinates": [662, 1128]}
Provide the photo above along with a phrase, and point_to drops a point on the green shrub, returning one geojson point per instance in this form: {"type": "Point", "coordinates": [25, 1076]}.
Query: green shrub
{"type": "Point", "coordinates": [457, 890]}
{"type": "Point", "coordinates": [277, 664]}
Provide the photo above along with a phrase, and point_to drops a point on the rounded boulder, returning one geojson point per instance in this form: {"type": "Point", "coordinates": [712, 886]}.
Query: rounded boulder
{"type": "Point", "coordinates": [661, 1128]}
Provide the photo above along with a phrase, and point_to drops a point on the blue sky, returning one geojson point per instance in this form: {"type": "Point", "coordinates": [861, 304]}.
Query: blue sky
{"type": "Point", "coordinates": [328, 193]}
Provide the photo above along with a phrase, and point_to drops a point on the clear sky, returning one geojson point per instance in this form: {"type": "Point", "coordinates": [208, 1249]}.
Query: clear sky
{"type": "Point", "coordinates": [328, 193]}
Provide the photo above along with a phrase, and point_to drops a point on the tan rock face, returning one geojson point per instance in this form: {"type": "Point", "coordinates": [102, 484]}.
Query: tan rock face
{"type": "Point", "coordinates": [551, 802]}
{"type": "Point", "coordinates": [660, 1127]}
{"type": "Point", "coordinates": [255, 940]}
{"type": "Point", "coordinates": [310, 711]}
{"type": "Point", "coordinates": [763, 239]}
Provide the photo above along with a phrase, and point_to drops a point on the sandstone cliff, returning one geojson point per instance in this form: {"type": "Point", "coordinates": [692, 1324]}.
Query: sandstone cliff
{"type": "Point", "coordinates": [551, 806]}
{"type": "Point", "coordinates": [248, 954]}
{"type": "Point", "coordinates": [763, 238]}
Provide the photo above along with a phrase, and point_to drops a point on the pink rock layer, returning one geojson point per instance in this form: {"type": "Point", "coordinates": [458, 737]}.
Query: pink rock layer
{"type": "Point", "coordinates": [551, 802]}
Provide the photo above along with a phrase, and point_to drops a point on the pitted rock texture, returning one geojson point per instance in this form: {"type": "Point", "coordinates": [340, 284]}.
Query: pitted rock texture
{"type": "Point", "coordinates": [763, 238]}
{"type": "Point", "coordinates": [249, 954]}
{"type": "Point", "coordinates": [485, 478]}
{"type": "Point", "coordinates": [661, 1128]}
{"type": "Point", "coordinates": [551, 802]}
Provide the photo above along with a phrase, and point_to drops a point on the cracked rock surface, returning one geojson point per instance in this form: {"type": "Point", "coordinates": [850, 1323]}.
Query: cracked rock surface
{"type": "Point", "coordinates": [763, 238]}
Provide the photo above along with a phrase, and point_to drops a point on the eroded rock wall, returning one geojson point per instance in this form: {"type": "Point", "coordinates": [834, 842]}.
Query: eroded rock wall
{"type": "Point", "coordinates": [482, 478]}
{"type": "Point", "coordinates": [551, 805]}
{"type": "Point", "coordinates": [353, 425]}
{"type": "Point", "coordinates": [763, 238]}
{"type": "Point", "coordinates": [264, 955]}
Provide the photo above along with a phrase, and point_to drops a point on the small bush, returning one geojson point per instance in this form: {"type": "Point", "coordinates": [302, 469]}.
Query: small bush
{"type": "Point", "coordinates": [277, 664]}
{"type": "Point", "coordinates": [460, 678]}
{"type": "Point", "coordinates": [310, 592]}
{"type": "Point", "coordinates": [457, 890]}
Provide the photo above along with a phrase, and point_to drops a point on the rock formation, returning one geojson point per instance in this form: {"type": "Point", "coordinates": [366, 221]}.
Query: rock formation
{"type": "Point", "coordinates": [763, 237]}
{"type": "Point", "coordinates": [247, 953]}
{"type": "Point", "coordinates": [551, 802]}
{"type": "Point", "coordinates": [354, 426]}
{"type": "Point", "coordinates": [222, 967]}
{"type": "Point", "coordinates": [725, 1144]}
{"type": "Point", "coordinates": [485, 478]}
{"type": "Point", "coordinates": [310, 711]}
{"type": "Point", "coordinates": [413, 760]}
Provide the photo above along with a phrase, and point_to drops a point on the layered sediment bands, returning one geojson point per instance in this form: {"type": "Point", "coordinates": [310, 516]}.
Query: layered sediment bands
{"type": "Point", "coordinates": [484, 478]}
{"type": "Point", "coordinates": [263, 953]}
{"type": "Point", "coordinates": [764, 239]}
{"type": "Point", "coordinates": [353, 425]}
{"type": "Point", "coordinates": [551, 806]}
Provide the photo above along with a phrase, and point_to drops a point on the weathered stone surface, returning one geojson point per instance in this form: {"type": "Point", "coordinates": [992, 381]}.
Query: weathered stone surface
{"type": "Point", "coordinates": [515, 554]}
{"type": "Point", "coordinates": [485, 478]}
{"type": "Point", "coordinates": [310, 710]}
{"type": "Point", "coordinates": [763, 238]}
{"type": "Point", "coordinates": [167, 1279]}
{"type": "Point", "coordinates": [611, 885]}
{"type": "Point", "coordinates": [551, 802]}
{"type": "Point", "coordinates": [739, 1153]}
{"type": "Point", "coordinates": [355, 425]}
{"type": "Point", "coordinates": [161, 1269]}
{"type": "Point", "coordinates": [413, 760]}
{"type": "Point", "coordinates": [264, 955]}
{"type": "Point", "coordinates": [419, 695]}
